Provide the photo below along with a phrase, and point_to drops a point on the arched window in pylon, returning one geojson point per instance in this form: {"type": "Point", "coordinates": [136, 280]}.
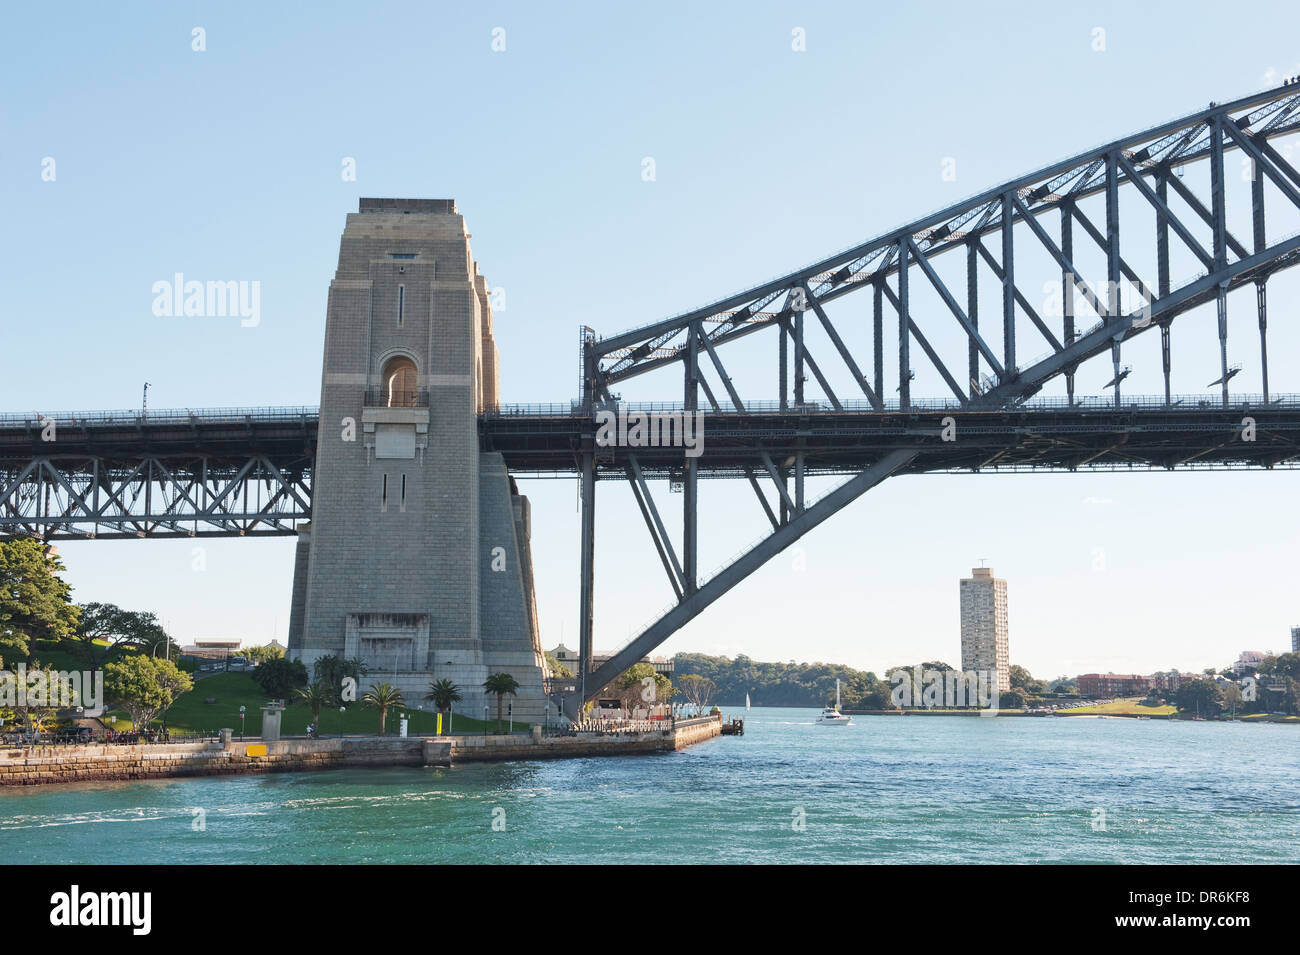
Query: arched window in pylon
{"type": "Point", "coordinates": [399, 383]}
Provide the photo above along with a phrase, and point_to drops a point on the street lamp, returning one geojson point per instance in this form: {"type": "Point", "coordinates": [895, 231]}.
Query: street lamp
{"type": "Point", "coordinates": [241, 723]}
{"type": "Point", "coordinates": [485, 719]}
{"type": "Point", "coordinates": [342, 710]}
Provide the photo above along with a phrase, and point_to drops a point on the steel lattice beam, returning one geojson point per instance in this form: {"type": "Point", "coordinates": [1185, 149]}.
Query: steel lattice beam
{"type": "Point", "coordinates": [1016, 212]}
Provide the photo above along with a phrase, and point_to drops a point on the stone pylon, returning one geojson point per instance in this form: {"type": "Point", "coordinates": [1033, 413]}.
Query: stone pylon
{"type": "Point", "coordinates": [417, 558]}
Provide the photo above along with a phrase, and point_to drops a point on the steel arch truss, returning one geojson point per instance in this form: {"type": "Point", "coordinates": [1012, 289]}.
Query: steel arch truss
{"type": "Point", "coordinates": [153, 496]}
{"type": "Point", "coordinates": [1041, 214]}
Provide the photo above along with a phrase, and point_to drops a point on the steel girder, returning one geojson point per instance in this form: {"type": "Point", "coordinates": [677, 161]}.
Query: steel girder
{"type": "Point", "coordinates": [1150, 162]}
{"type": "Point", "coordinates": [1146, 434]}
{"type": "Point", "coordinates": [152, 497]}
{"type": "Point", "coordinates": [218, 473]}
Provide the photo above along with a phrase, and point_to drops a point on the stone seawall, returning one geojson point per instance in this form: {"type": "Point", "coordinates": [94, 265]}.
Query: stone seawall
{"type": "Point", "coordinates": [36, 765]}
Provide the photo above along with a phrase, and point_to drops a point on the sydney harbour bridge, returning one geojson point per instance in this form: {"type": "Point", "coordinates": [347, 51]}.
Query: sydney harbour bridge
{"type": "Point", "coordinates": [952, 300]}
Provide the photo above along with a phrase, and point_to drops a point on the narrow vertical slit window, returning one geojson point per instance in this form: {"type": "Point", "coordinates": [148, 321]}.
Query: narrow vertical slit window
{"type": "Point", "coordinates": [383, 494]}
{"type": "Point", "coordinates": [403, 504]}
{"type": "Point", "coordinates": [401, 305]}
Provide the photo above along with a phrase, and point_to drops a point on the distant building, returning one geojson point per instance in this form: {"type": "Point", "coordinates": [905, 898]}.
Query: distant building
{"type": "Point", "coordinates": [566, 657]}
{"type": "Point", "coordinates": [1114, 684]}
{"type": "Point", "coordinates": [212, 649]}
{"type": "Point", "coordinates": [1248, 661]}
{"type": "Point", "coordinates": [1171, 680]}
{"type": "Point", "coordinates": [1295, 639]}
{"type": "Point", "coordinates": [984, 641]}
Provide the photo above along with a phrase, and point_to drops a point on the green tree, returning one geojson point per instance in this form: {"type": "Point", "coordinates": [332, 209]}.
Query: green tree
{"type": "Point", "coordinates": [333, 670]}
{"type": "Point", "coordinates": [501, 684]}
{"type": "Point", "coordinates": [383, 697]}
{"type": "Point", "coordinates": [279, 678]}
{"type": "Point", "coordinates": [35, 602]}
{"type": "Point", "coordinates": [634, 690]}
{"type": "Point", "coordinates": [1232, 697]}
{"type": "Point", "coordinates": [1285, 665]}
{"type": "Point", "coordinates": [443, 694]}
{"type": "Point", "coordinates": [270, 651]}
{"type": "Point", "coordinates": [1201, 697]}
{"type": "Point", "coordinates": [873, 694]}
{"type": "Point", "coordinates": [103, 626]}
{"type": "Point", "coordinates": [174, 682]}
{"type": "Point", "coordinates": [40, 704]}
{"type": "Point", "coordinates": [316, 695]}
{"type": "Point", "coordinates": [144, 686]}
{"type": "Point", "coordinates": [1022, 679]}
{"type": "Point", "coordinates": [556, 668]}
{"type": "Point", "coordinates": [1011, 699]}
{"type": "Point", "coordinates": [1064, 685]}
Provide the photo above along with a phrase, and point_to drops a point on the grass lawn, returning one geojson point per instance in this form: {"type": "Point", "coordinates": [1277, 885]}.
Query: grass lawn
{"type": "Point", "coordinates": [1134, 707]}
{"type": "Point", "coordinates": [53, 653]}
{"type": "Point", "coordinates": [1266, 718]}
{"type": "Point", "coordinates": [190, 714]}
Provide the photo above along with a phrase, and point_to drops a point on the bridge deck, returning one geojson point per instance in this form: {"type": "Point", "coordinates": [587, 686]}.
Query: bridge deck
{"type": "Point", "coordinates": [246, 472]}
{"type": "Point", "coordinates": [1044, 436]}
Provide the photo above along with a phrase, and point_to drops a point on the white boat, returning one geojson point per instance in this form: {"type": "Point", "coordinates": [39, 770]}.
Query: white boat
{"type": "Point", "coordinates": [746, 702]}
{"type": "Point", "coordinates": [831, 715]}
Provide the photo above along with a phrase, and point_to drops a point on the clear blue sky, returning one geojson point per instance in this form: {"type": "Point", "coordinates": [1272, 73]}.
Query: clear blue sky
{"type": "Point", "coordinates": [225, 164]}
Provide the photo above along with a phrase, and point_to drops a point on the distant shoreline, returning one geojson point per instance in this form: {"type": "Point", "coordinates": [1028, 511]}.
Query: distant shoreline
{"type": "Point", "coordinates": [920, 711]}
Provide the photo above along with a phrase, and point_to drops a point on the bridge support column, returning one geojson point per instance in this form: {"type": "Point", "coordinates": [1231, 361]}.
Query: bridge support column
{"type": "Point", "coordinates": [1008, 293]}
{"type": "Point", "coordinates": [1114, 360]}
{"type": "Point", "coordinates": [1067, 288]}
{"type": "Point", "coordinates": [1261, 295]}
{"type": "Point", "coordinates": [973, 313]}
{"type": "Point", "coordinates": [1261, 301]}
{"type": "Point", "coordinates": [798, 357]}
{"type": "Point", "coordinates": [904, 334]}
{"type": "Point", "coordinates": [1222, 302]}
{"type": "Point", "coordinates": [1165, 357]}
{"type": "Point", "coordinates": [690, 488]}
{"type": "Point", "coordinates": [878, 338]}
{"type": "Point", "coordinates": [586, 601]}
{"type": "Point", "coordinates": [783, 353]}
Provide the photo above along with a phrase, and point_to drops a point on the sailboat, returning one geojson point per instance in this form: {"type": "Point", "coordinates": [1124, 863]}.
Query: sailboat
{"type": "Point", "coordinates": [831, 716]}
{"type": "Point", "coordinates": [746, 702]}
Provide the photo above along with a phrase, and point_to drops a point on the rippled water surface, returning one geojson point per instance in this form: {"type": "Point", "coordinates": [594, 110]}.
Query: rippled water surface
{"type": "Point", "coordinates": [889, 789]}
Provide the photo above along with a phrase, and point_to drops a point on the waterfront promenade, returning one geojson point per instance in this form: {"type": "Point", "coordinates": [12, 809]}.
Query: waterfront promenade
{"type": "Point", "coordinates": [39, 765]}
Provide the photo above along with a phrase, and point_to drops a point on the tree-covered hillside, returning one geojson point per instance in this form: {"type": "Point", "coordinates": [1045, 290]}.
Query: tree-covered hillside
{"type": "Point", "coordinates": [784, 684]}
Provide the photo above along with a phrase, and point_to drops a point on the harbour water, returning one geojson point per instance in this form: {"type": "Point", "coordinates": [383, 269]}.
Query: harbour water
{"type": "Point", "coordinates": [888, 789]}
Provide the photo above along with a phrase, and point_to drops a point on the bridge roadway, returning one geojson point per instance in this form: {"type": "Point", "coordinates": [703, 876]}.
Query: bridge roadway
{"type": "Point", "coordinates": [247, 471]}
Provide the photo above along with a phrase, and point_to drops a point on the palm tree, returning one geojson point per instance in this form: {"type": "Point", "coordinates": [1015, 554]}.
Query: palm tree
{"type": "Point", "coordinates": [316, 695]}
{"type": "Point", "coordinates": [443, 693]}
{"type": "Point", "coordinates": [501, 684]}
{"type": "Point", "coordinates": [383, 697]}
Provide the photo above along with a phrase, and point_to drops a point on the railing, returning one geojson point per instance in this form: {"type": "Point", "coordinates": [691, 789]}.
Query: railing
{"type": "Point", "coordinates": [602, 727]}
{"type": "Point", "coordinates": [271, 414]}
{"type": "Point", "coordinates": [18, 739]}
{"type": "Point", "coordinates": [862, 406]}
{"type": "Point", "coordinates": [166, 416]}
{"type": "Point", "coordinates": [383, 398]}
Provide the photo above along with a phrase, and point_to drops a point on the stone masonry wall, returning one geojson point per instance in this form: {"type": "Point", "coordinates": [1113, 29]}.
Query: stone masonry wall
{"type": "Point", "coordinates": [37, 765]}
